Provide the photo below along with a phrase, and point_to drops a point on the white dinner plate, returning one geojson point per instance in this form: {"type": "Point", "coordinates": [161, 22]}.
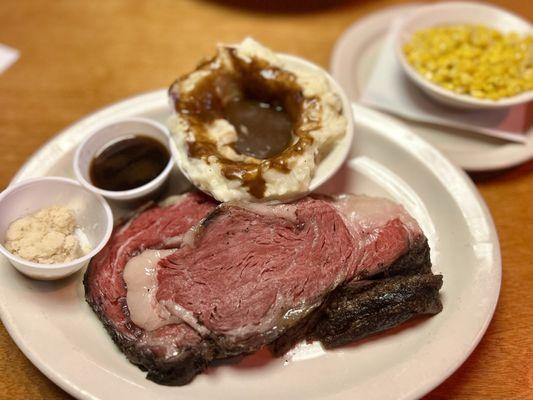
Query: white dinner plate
{"type": "Point", "coordinates": [352, 61]}
{"type": "Point", "coordinates": [59, 333]}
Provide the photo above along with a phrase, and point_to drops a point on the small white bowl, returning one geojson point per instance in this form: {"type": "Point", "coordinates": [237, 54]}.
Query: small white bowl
{"type": "Point", "coordinates": [449, 13]}
{"type": "Point", "coordinates": [93, 216]}
{"type": "Point", "coordinates": [332, 162]}
{"type": "Point", "coordinates": [99, 139]}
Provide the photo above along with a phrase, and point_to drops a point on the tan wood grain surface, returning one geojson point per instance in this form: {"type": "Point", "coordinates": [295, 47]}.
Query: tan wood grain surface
{"type": "Point", "coordinates": [78, 56]}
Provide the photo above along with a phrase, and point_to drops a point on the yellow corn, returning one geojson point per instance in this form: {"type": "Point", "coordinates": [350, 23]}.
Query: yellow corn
{"type": "Point", "coordinates": [473, 59]}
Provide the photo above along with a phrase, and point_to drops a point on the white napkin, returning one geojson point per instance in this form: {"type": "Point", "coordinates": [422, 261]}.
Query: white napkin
{"type": "Point", "coordinates": [389, 89]}
{"type": "Point", "coordinates": [8, 56]}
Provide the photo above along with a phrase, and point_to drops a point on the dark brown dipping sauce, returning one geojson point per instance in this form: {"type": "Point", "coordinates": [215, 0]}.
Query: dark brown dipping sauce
{"type": "Point", "coordinates": [128, 163]}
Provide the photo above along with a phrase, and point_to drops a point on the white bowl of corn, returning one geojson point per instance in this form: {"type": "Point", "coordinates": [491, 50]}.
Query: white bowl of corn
{"type": "Point", "coordinates": [468, 55]}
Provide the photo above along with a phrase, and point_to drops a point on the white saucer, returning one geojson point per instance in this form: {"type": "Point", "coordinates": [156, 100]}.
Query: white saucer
{"type": "Point", "coordinates": [353, 58]}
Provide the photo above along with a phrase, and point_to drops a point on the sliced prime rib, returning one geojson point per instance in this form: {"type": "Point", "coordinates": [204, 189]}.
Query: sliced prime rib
{"type": "Point", "coordinates": [247, 275]}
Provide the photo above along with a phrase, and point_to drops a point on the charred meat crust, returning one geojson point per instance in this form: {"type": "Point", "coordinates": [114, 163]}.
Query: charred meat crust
{"type": "Point", "coordinates": [363, 308]}
{"type": "Point", "coordinates": [180, 371]}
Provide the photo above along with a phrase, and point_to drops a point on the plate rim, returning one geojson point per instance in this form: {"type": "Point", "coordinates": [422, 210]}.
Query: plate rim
{"type": "Point", "coordinates": [343, 50]}
{"type": "Point", "coordinates": [400, 135]}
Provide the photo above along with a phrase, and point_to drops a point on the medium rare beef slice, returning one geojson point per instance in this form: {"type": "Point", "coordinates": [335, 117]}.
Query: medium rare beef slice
{"type": "Point", "coordinates": [363, 308]}
{"type": "Point", "coordinates": [255, 270]}
{"type": "Point", "coordinates": [171, 353]}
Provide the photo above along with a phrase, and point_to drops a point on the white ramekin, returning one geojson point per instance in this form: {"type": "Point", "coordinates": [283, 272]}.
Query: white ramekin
{"type": "Point", "coordinates": [97, 140]}
{"type": "Point", "coordinates": [93, 215]}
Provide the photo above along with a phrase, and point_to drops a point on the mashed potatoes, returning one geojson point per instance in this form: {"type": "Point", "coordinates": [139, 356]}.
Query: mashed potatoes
{"type": "Point", "coordinates": [252, 125]}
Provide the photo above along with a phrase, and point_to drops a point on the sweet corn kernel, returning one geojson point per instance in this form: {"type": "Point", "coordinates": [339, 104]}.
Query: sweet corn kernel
{"type": "Point", "coordinates": [473, 59]}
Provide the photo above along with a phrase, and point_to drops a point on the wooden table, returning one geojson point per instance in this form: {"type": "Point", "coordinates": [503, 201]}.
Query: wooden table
{"type": "Point", "coordinates": [77, 56]}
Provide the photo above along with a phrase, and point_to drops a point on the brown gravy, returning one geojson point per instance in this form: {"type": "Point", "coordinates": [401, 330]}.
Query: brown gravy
{"type": "Point", "coordinates": [128, 163]}
{"type": "Point", "coordinates": [263, 130]}
{"type": "Point", "coordinates": [264, 103]}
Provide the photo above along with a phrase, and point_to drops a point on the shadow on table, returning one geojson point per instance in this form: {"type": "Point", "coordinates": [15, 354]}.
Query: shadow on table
{"type": "Point", "coordinates": [282, 6]}
{"type": "Point", "coordinates": [504, 174]}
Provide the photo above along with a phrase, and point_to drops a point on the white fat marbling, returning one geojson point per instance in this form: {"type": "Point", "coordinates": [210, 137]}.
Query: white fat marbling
{"type": "Point", "coordinates": [141, 283]}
